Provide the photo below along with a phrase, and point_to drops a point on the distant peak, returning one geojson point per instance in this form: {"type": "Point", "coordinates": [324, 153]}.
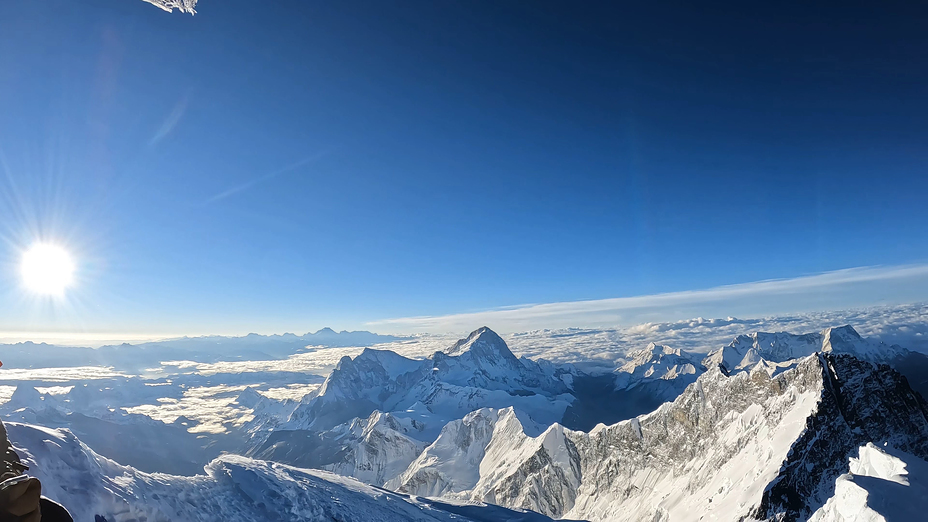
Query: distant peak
{"type": "Point", "coordinates": [480, 335]}
{"type": "Point", "coordinates": [844, 332]}
{"type": "Point", "coordinates": [660, 349]}
{"type": "Point", "coordinates": [249, 397]}
{"type": "Point", "coordinates": [326, 331]}
{"type": "Point", "coordinates": [484, 345]}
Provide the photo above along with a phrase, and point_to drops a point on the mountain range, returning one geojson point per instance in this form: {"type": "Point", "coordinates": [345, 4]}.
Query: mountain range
{"type": "Point", "coordinates": [772, 426]}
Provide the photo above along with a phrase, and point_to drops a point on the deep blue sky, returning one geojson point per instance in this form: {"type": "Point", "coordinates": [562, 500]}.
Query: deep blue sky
{"type": "Point", "coordinates": [287, 165]}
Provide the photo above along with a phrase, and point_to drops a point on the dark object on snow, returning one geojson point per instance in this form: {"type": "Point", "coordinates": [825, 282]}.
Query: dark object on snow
{"type": "Point", "coordinates": [11, 465]}
{"type": "Point", "coordinates": [19, 499]}
{"type": "Point", "coordinates": [54, 512]}
{"type": "Point", "coordinates": [20, 495]}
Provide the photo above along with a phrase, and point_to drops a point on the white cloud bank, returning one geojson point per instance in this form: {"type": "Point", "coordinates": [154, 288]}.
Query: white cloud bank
{"type": "Point", "coordinates": [839, 289]}
{"type": "Point", "coordinates": [184, 6]}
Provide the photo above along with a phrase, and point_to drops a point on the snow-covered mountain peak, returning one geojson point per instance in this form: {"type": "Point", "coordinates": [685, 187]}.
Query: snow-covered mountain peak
{"type": "Point", "coordinates": [249, 397]}
{"type": "Point", "coordinates": [25, 396]}
{"type": "Point", "coordinates": [483, 360]}
{"type": "Point", "coordinates": [478, 371]}
{"type": "Point", "coordinates": [748, 445]}
{"type": "Point", "coordinates": [484, 344]}
{"type": "Point", "coordinates": [844, 339]}
{"type": "Point", "coordinates": [745, 351]}
{"type": "Point", "coordinates": [657, 362]}
{"type": "Point", "coordinates": [369, 370]}
{"type": "Point", "coordinates": [655, 352]}
{"type": "Point", "coordinates": [379, 420]}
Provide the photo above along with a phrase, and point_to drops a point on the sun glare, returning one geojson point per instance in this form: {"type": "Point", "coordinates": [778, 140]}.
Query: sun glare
{"type": "Point", "coordinates": [47, 269]}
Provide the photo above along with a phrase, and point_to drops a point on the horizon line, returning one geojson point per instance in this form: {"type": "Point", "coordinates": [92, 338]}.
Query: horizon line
{"type": "Point", "coordinates": [598, 312]}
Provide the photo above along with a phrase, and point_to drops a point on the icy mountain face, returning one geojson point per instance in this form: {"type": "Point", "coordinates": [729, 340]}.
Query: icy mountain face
{"type": "Point", "coordinates": [449, 465]}
{"type": "Point", "coordinates": [478, 371]}
{"type": "Point", "coordinates": [846, 340]}
{"type": "Point", "coordinates": [267, 414]}
{"type": "Point", "coordinates": [357, 387]}
{"type": "Point", "coordinates": [859, 404]}
{"type": "Point", "coordinates": [658, 362]}
{"type": "Point", "coordinates": [523, 469]}
{"type": "Point", "coordinates": [731, 446]}
{"type": "Point", "coordinates": [374, 449]}
{"type": "Point", "coordinates": [382, 449]}
{"type": "Point", "coordinates": [341, 427]}
{"type": "Point", "coordinates": [746, 351]}
{"type": "Point", "coordinates": [234, 489]}
{"type": "Point", "coordinates": [495, 456]}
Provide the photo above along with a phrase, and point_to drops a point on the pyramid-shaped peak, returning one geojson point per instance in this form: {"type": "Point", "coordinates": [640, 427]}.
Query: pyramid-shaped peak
{"type": "Point", "coordinates": [484, 342]}
{"type": "Point", "coordinates": [841, 332]}
{"type": "Point", "coordinates": [842, 339]}
{"type": "Point", "coordinates": [249, 397]}
{"type": "Point", "coordinates": [26, 395]}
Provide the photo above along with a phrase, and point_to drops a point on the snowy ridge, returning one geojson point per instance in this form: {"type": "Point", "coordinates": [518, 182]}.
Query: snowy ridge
{"type": "Point", "coordinates": [744, 445]}
{"type": "Point", "coordinates": [778, 349]}
{"type": "Point", "coordinates": [882, 484]}
{"type": "Point", "coordinates": [466, 384]}
{"type": "Point", "coordinates": [234, 489]}
{"type": "Point", "coordinates": [375, 413]}
{"type": "Point", "coordinates": [380, 448]}
{"type": "Point", "coordinates": [374, 449]}
{"type": "Point", "coordinates": [450, 464]}
{"type": "Point", "coordinates": [658, 362]}
{"type": "Point", "coordinates": [479, 371]}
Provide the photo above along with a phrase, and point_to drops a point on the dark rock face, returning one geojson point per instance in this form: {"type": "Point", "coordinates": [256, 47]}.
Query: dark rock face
{"type": "Point", "coordinates": [599, 402]}
{"type": "Point", "coordinates": [859, 404]}
{"type": "Point", "coordinates": [845, 403]}
{"type": "Point", "coordinates": [914, 366]}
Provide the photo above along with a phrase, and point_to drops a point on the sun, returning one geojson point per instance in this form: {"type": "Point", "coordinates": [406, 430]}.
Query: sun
{"type": "Point", "coordinates": [47, 269]}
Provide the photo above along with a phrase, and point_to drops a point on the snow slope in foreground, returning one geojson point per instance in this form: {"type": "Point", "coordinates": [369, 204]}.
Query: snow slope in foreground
{"type": "Point", "coordinates": [883, 485]}
{"type": "Point", "coordinates": [234, 489]}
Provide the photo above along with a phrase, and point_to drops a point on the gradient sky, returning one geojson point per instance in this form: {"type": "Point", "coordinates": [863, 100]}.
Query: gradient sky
{"type": "Point", "coordinates": [272, 166]}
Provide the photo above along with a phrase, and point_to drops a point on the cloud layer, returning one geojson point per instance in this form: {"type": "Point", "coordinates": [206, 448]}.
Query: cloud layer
{"type": "Point", "coordinates": [840, 289]}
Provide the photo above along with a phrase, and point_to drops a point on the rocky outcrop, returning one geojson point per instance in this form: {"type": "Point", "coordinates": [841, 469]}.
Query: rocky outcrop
{"type": "Point", "coordinates": [749, 444]}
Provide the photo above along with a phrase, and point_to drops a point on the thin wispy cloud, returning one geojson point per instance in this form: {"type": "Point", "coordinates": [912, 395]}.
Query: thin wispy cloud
{"type": "Point", "coordinates": [170, 122]}
{"type": "Point", "coordinates": [261, 179]}
{"type": "Point", "coordinates": [861, 286]}
{"type": "Point", "coordinates": [184, 6]}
